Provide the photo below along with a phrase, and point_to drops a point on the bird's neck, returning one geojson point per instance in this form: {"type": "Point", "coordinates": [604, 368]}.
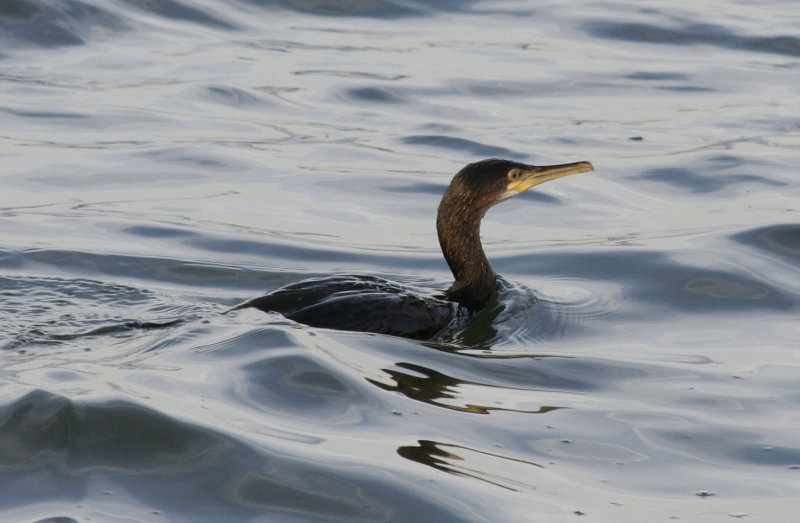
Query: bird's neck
{"type": "Point", "coordinates": [458, 225]}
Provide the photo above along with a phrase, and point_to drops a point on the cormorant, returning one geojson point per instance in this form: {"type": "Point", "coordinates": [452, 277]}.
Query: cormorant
{"type": "Point", "coordinates": [371, 304]}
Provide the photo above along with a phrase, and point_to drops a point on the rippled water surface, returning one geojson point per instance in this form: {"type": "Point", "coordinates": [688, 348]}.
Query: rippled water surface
{"type": "Point", "coordinates": [163, 160]}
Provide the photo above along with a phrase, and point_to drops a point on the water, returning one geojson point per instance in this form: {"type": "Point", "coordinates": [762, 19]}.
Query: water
{"type": "Point", "coordinates": [165, 160]}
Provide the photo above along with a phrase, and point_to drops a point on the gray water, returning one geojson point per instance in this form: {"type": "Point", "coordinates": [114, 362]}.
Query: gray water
{"type": "Point", "coordinates": [163, 160]}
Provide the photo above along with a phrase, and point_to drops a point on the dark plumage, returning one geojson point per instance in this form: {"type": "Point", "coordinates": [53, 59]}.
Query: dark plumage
{"type": "Point", "coordinates": [370, 304]}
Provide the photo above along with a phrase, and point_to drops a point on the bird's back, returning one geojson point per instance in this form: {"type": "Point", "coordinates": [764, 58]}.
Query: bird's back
{"type": "Point", "coordinates": [360, 303]}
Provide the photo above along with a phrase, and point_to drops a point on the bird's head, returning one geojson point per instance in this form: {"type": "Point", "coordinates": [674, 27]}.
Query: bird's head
{"type": "Point", "coordinates": [474, 189]}
{"type": "Point", "coordinates": [488, 182]}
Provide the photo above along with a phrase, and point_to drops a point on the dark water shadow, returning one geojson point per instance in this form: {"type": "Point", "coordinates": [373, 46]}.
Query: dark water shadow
{"type": "Point", "coordinates": [183, 272]}
{"type": "Point", "coordinates": [46, 115]}
{"type": "Point", "coordinates": [380, 95]}
{"type": "Point", "coordinates": [690, 33]}
{"type": "Point", "coordinates": [452, 143]}
{"type": "Point", "coordinates": [703, 182]}
{"type": "Point", "coordinates": [54, 24]}
{"type": "Point", "coordinates": [782, 241]}
{"type": "Point", "coordinates": [368, 8]}
{"type": "Point", "coordinates": [181, 11]}
{"type": "Point", "coordinates": [416, 188]}
{"type": "Point", "coordinates": [231, 96]}
{"type": "Point", "coordinates": [63, 447]}
{"type": "Point", "coordinates": [650, 76]}
{"type": "Point", "coordinates": [298, 386]}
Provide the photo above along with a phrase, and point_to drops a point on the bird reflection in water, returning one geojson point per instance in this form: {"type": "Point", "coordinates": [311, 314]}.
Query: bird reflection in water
{"type": "Point", "coordinates": [451, 458]}
{"type": "Point", "coordinates": [435, 388]}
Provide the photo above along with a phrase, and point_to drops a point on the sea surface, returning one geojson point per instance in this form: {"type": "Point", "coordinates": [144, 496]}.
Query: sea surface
{"type": "Point", "coordinates": [164, 160]}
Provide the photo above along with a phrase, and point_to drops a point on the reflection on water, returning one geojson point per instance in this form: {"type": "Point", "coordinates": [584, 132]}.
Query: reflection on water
{"type": "Point", "coordinates": [458, 460]}
{"type": "Point", "coordinates": [432, 387]}
{"type": "Point", "coordinates": [163, 161]}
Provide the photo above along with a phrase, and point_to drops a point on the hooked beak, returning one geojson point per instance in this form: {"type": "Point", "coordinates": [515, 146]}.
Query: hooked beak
{"type": "Point", "coordinates": [540, 174]}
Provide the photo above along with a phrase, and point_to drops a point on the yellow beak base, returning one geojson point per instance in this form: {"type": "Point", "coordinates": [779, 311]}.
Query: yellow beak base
{"type": "Point", "coordinates": [540, 174]}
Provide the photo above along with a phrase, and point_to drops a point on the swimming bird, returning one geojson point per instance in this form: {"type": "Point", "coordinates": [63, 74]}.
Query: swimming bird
{"type": "Point", "coordinates": [372, 304]}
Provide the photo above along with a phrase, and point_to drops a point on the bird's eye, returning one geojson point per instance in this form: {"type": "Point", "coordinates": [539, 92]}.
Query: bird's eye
{"type": "Point", "coordinates": [513, 174]}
